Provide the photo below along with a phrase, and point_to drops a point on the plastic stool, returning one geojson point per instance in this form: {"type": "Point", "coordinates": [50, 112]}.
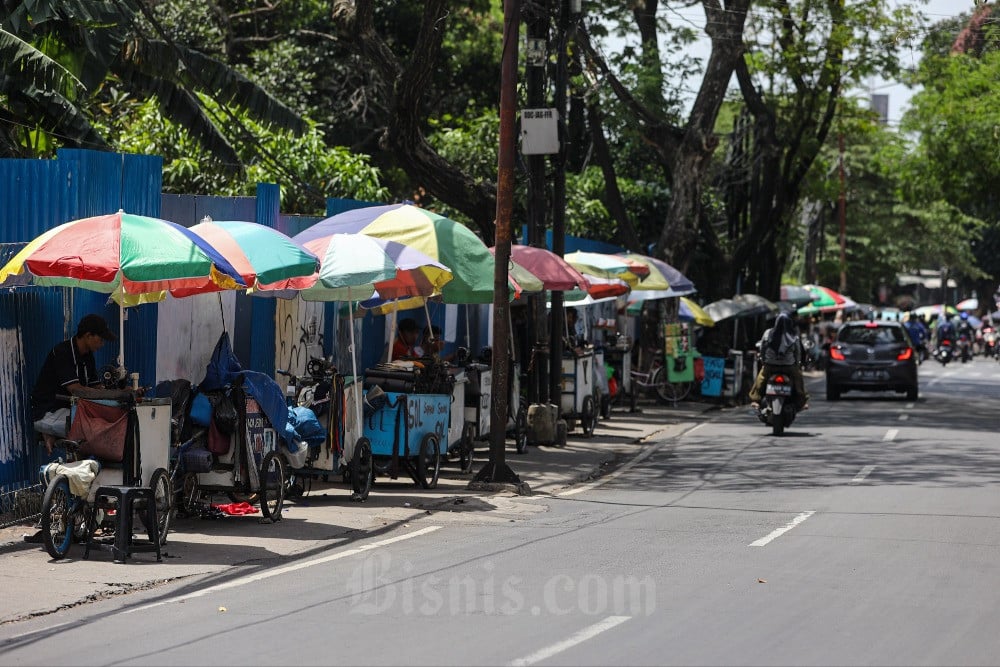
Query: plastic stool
{"type": "Point", "coordinates": [123, 499]}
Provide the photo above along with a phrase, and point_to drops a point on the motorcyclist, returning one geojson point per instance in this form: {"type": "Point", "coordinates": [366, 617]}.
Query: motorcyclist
{"type": "Point", "coordinates": [966, 334]}
{"type": "Point", "coordinates": [945, 331]}
{"type": "Point", "coordinates": [918, 333]}
{"type": "Point", "coordinates": [780, 350]}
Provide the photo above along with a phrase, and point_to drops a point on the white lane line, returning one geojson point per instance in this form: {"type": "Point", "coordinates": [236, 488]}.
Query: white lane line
{"type": "Point", "coordinates": [890, 434]}
{"type": "Point", "coordinates": [242, 581]}
{"type": "Point", "coordinates": [682, 429]}
{"type": "Point", "coordinates": [903, 417]}
{"type": "Point", "coordinates": [860, 477]}
{"type": "Point", "coordinates": [577, 638]}
{"type": "Point", "coordinates": [784, 529]}
{"type": "Point", "coordinates": [909, 406]}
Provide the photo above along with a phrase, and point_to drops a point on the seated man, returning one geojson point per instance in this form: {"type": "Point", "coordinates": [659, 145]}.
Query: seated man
{"type": "Point", "coordinates": [406, 339]}
{"type": "Point", "coordinates": [70, 370]}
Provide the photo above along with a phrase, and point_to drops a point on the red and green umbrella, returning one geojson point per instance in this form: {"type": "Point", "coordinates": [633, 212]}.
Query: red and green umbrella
{"type": "Point", "coordinates": [137, 259]}
{"type": "Point", "coordinates": [266, 259]}
{"type": "Point", "coordinates": [451, 243]}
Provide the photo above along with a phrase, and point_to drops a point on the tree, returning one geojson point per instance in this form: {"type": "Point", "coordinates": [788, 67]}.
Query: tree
{"type": "Point", "coordinates": [76, 51]}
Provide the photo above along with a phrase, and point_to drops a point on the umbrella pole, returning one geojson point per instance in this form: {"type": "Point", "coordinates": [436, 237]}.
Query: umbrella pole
{"type": "Point", "coordinates": [427, 312]}
{"type": "Point", "coordinates": [354, 359]}
{"type": "Point", "coordinates": [121, 336]}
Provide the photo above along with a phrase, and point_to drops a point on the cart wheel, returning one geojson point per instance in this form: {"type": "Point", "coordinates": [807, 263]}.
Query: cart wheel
{"type": "Point", "coordinates": [57, 517]}
{"type": "Point", "coordinates": [429, 462]}
{"type": "Point", "coordinates": [561, 431]}
{"type": "Point", "coordinates": [163, 496]}
{"type": "Point", "coordinates": [272, 486]}
{"type": "Point", "coordinates": [189, 493]}
{"type": "Point", "coordinates": [588, 420]}
{"type": "Point", "coordinates": [467, 447]}
{"type": "Point", "coordinates": [362, 470]}
{"type": "Point", "coordinates": [521, 430]}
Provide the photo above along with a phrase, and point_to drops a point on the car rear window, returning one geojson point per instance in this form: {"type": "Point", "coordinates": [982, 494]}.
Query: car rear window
{"type": "Point", "coordinates": [870, 335]}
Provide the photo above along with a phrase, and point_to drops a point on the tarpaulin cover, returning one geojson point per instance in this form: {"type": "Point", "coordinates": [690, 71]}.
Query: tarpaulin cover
{"type": "Point", "coordinates": [225, 369]}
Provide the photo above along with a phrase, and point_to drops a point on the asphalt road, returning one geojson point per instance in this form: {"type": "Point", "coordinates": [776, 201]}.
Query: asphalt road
{"type": "Point", "coordinates": [868, 534]}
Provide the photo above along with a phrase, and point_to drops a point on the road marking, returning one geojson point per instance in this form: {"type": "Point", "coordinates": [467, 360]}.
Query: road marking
{"type": "Point", "coordinates": [577, 638]}
{"type": "Point", "coordinates": [242, 581]}
{"type": "Point", "coordinates": [909, 406]}
{"type": "Point", "coordinates": [903, 417]}
{"type": "Point", "coordinates": [642, 456]}
{"type": "Point", "coordinates": [890, 434]}
{"type": "Point", "coordinates": [784, 529]}
{"type": "Point", "coordinates": [860, 477]}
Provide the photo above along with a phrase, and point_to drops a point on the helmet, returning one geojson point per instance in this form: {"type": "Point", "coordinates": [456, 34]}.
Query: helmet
{"type": "Point", "coordinates": [964, 316]}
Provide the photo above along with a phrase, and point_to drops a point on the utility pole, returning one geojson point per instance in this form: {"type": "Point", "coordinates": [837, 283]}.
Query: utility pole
{"type": "Point", "coordinates": [496, 470]}
{"type": "Point", "coordinates": [842, 210]}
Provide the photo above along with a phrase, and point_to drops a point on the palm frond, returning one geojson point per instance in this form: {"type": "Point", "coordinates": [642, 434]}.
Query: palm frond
{"type": "Point", "coordinates": [60, 117]}
{"type": "Point", "coordinates": [23, 64]}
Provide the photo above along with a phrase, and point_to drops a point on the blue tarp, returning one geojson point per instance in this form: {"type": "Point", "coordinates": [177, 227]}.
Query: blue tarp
{"type": "Point", "coordinates": [225, 369]}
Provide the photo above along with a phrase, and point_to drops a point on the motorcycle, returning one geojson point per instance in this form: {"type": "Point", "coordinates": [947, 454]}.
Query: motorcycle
{"type": "Point", "coordinates": [777, 409]}
{"type": "Point", "coordinates": [990, 340]}
{"type": "Point", "coordinates": [964, 349]}
{"type": "Point", "coordinates": [944, 352]}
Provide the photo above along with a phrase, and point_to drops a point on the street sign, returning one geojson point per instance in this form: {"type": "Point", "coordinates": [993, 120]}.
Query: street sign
{"type": "Point", "coordinates": [539, 131]}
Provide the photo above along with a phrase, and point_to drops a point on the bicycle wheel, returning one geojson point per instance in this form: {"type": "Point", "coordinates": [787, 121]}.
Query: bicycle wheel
{"type": "Point", "coordinates": [163, 494]}
{"type": "Point", "coordinates": [666, 391]}
{"type": "Point", "coordinates": [272, 486]}
{"type": "Point", "coordinates": [57, 517]}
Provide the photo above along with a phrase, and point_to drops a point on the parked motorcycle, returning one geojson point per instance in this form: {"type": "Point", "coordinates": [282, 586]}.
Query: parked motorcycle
{"type": "Point", "coordinates": [777, 410]}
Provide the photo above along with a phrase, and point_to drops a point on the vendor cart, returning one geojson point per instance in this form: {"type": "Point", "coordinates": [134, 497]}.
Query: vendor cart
{"type": "Point", "coordinates": [131, 446]}
{"type": "Point", "coordinates": [329, 441]}
{"type": "Point", "coordinates": [463, 430]}
{"type": "Point", "coordinates": [577, 400]}
{"type": "Point", "coordinates": [408, 428]}
{"type": "Point", "coordinates": [244, 465]}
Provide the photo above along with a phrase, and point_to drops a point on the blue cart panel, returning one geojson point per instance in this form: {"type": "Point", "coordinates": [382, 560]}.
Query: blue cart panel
{"type": "Point", "coordinates": [421, 414]}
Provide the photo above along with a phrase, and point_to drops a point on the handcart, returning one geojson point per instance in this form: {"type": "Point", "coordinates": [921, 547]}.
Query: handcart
{"type": "Point", "coordinates": [463, 430]}
{"type": "Point", "coordinates": [408, 429]}
{"type": "Point", "coordinates": [337, 447]}
{"type": "Point", "coordinates": [244, 464]}
{"type": "Point", "coordinates": [114, 445]}
{"type": "Point", "coordinates": [619, 357]}
{"type": "Point", "coordinates": [475, 398]}
{"type": "Point", "coordinates": [577, 400]}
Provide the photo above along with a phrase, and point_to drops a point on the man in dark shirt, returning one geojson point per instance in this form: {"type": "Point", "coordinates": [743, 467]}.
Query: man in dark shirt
{"type": "Point", "coordinates": [70, 370]}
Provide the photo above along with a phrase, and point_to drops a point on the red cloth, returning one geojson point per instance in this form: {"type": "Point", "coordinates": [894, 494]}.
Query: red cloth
{"type": "Point", "coordinates": [236, 509]}
{"type": "Point", "coordinates": [101, 429]}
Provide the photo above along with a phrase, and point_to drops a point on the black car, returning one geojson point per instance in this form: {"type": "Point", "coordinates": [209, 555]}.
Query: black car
{"type": "Point", "coordinates": [872, 356]}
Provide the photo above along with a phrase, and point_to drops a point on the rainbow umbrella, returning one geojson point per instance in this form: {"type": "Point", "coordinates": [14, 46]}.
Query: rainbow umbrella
{"type": "Point", "coordinates": [266, 259]}
{"type": "Point", "coordinates": [547, 269]}
{"type": "Point", "coordinates": [602, 265]}
{"type": "Point", "coordinates": [661, 278]}
{"type": "Point", "coordinates": [135, 258]}
{"type": "Point", "coordinates": [451, 243]}
{"type": "Point", "coordinates": [687, 310]}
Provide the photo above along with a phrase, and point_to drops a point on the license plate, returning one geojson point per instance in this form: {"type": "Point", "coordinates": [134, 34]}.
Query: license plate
{"type": "Point", "coordinates": [779, 390]}
{"type": "Point", "coordinates": [870, 375]}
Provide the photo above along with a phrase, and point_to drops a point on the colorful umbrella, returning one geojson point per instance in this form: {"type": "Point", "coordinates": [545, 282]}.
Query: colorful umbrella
{"type": "Point", "coordinates": [797, 295]}
{"type": "Point", "coordinates": [687, 310]}
{"type": "Point", "coordinates": [550, 270]}
{"type": "Point", "coordinates": [266, 259]}
{"type": "Point", "coordinates": [601, 265]}
{"type": "Point", "coordinates": [968, 304]}
{"type": "Point", "coordinates": [354, 266]}
{"type": "Point", "coordinates": [826, 300]}
{"type": "Point", "coordinates": [661, 277]}
{"type": "Point", "coordinates": [136, 259]}
{"type": "Point", "coordinates": [452, 244]}
{"type": "Point", "coordinates": [936, 309]}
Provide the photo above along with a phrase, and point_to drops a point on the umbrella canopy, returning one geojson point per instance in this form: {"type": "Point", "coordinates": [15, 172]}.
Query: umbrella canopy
{"type": "Point", "coordinates": [135, 258]}
{"type": "Point", "coordinates": [936, 309]}
{"type": "Point", "coordinates": [266, 259]}
{"type": "Point", "coordinates": [354, 266]}
{"type": "Point", "coordinates": [826, 300]}
{"type": "Point", "coordinates": [968, 304]}
{"type": "Point", "coordinates": [445, 241]}
{"type": "Point", "coordinates": [740, 306]}
{"type": "Point", "coordinates": [601, 265]}
{"type": "Point", "coordinates": [797, 295]}
{"type": "Point", "coordinates": [550, 270]}
{"type": "Point", "coordinates": [662, 277]}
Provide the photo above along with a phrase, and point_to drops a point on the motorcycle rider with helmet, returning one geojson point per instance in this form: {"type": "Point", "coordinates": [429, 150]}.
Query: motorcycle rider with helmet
{"type": "Point", "coordinates": [780, 350]}
{"type": "Point", "coordinates": [966, 333]}
{"type": "Point", "coordinates": [945, 331]}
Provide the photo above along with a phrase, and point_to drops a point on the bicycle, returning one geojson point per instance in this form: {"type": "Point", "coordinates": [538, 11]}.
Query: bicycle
{"type": "Point", "coordinates": [68, 515]}
{"type": "Point", "coordinates": [654, 380]}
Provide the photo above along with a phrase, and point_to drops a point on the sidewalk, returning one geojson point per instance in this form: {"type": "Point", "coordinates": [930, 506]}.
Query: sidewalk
{"type": "Point", "coordinates": [325, 518]}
